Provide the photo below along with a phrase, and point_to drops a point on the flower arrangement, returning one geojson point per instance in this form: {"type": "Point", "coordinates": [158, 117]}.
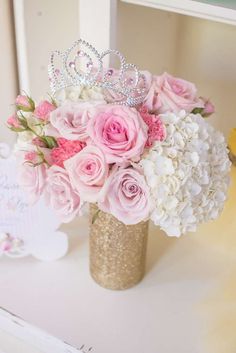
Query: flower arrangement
{"type": "Point", "coordinates": [157, 158]}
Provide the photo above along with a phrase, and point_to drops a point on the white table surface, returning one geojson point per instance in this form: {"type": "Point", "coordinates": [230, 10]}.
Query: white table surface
{"type": "Point", "coordinates": [185, 304]}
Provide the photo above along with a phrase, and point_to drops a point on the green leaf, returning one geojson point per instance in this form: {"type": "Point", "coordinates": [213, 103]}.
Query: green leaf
{"type": "Point", "coordinates": [95, 216]}
{"type": "Point", "coordinates": [17, 129]}
{"type": "Point", "coordinates": [23, 108]}
{"type": "Point", "coordinates": [33, 165]}
{"type": "Point", "coordinates": [23, 122]}
{"type": "Point", "coordinates": [32, 104]}
{"type": "Point", "coordinates": [197, 111]}
{"type": "Point", "coordinates": [49, 141]}
{"type": "Point", "coordinates": [52, 100]}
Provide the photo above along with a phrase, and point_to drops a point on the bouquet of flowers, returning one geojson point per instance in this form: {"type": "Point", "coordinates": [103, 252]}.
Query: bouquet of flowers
{"type": "Point", "coordinates": [136, 144]}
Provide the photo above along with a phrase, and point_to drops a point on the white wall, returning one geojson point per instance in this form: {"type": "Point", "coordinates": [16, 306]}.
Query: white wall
{"type": "Point", "coordinates": [148, 37]}
{"type": "Point", "coordinates": [50, 25]}
{"type": "Point", "coordinates": [198, 50]}
{"type": "Point", "coordinates": [207, 56]}
{"type": "Point", "coordinates": [8, 75]}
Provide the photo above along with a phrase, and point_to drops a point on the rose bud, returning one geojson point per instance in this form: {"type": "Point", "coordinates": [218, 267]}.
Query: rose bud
{"type": "Point", "coordinates": [25, 103]}
{"type": "Point", "coordinates": [43, 109]}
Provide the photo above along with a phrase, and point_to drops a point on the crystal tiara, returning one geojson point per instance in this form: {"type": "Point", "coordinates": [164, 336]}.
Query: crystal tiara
{"type": "Point", "coordinates": [81, 64]}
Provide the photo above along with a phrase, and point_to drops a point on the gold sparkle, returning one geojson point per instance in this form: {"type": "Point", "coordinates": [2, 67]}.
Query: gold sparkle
{"type": "Point", "coordinates": [117, 251]}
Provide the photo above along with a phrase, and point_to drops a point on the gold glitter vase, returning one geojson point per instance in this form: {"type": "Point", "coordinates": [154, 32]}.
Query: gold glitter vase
{"type": "Point", "coordinates": [117, 251]}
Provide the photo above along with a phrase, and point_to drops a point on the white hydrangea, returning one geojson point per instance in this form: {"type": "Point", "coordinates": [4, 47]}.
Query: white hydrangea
{"type": "Point", "coordinates": [188, 173]}
{"type": "Point", "coordinates": [76, 93]}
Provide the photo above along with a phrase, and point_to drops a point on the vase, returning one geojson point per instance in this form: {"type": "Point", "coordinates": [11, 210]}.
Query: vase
{"type": "Point", "coordinates": [117, 251]}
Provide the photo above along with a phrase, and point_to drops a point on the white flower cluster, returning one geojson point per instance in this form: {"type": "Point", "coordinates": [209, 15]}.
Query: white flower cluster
{"type": "Point", "coordinates": [188, 173]}
{"type": "Point", "coordinates": [75, 94]}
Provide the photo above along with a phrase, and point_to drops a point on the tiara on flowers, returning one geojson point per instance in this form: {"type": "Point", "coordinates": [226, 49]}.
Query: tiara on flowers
{"type": "Point", "coordinates": [81, 64]}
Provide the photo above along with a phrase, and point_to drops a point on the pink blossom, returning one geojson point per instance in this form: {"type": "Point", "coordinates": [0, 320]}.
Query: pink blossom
{"type": "Point", "coordinates": [6, 245]}
{"type": "Point", "coordinates": [13, 121]}
{"type": "Point", "coordinates": [32, 156]}
{"type": "Point", "coordinates": [24, 103]}
{"type": "Point", "coordinates": [156, 128]}
{"type": "Point", "coordinates": [209, 108]}
{"type": "Point", "coordinates": [119, 131]}
{"type": "Point", "coordinates": [43, 110]}
{"type": "Point", "coordinates": [71, 119]}
{"type": "Point", "coordinates": [65, 150]}
{"type": "Point", "coordinates": [168, 93]}
{"type": "Point", "coordinates": [88, 171]}
{"type": "Point", "coordinates": [127, 196]}
{"type": "Point", "coordinates": [33, 180]}
{"type": "Point", "coordinates": [22, 100]}
{"type": "Point", "coordinates": [60, 195]}
{"type": "Point", "coordinates": [37, 141]}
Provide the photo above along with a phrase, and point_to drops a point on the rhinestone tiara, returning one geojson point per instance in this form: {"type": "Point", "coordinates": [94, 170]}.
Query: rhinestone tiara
{"type": "Point", "coordinates": [82, 65]}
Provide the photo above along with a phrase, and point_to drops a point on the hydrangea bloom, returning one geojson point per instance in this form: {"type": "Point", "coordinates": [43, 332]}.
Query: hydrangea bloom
{"type": "Point", "coordinates": [187, 173]}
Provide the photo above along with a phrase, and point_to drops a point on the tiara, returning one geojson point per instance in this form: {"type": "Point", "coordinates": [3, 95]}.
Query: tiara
{"type": "Point", "coordinates": [82, 65]}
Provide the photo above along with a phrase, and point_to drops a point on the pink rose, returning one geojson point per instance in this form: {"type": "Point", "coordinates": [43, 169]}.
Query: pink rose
{"type": "Point", "coordinates": [127, 196]}
{"type": "Point", "coordinates": [88, 171]}
{"type": "Point", "coordinates": [65, 150]}
{"type": "Point", "coordinates": [13, 121]}
{"type": "Point", "coordinates": [24, 103]}
{"type": "Point", "coordinates": [33, 180]}
{"type": "Point", "coordinates": [60, 195]}
{"type": "Point", "coordinates": [71, 119]}
{"type": "Point", "coordinates": [119, 131]}
{"type": "Point", "coordinates": [43, 110]}
{"type": "Point", "coordinates": [168, 93]}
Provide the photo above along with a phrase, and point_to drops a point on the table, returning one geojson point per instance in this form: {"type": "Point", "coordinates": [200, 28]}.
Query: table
{"type": "Point", "coordinates": [185, 304]}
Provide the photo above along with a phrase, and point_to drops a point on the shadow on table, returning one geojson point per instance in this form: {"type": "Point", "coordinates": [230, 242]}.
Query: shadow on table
{"type": "Point", "coordinates": [218, 313]}
{"type": "Point", "coordinates": [77, 232]}
{"type": "Point", "coordinates": [182, 260]}
{"type": "Point", "coordinates": [158, 245]}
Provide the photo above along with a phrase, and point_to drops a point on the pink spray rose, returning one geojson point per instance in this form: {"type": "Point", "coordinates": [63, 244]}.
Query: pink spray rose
{"type": "Point", "coordinates": [24, 103]}
{"type": "Point", "coordinates": [71, 119]}
{"type": "Point", "coordinates": [168, 93]}
{"type": "Point", "coordinates": [65, 150]}
{"type": "Point", "coordinates": [37, 141]}
{"type": "Point", "coordinates": [13, 121]}
{"type": "Point", "coordinates": [43, 109]}
{"type": "Point", "coordinates": [127, 196]}
{"type": "Point", "coordinates": [33, 180]}
{"type": "Point", "coordinates": [33, 157]}
{"type": "Point", "coordinates": [60, 195]}
{"type": "Point", "coordinates": [119, 131]}
{"type": "Point", "coordinates": [208, 107]}
{"type": "Point", "coordinates": [88, 171]}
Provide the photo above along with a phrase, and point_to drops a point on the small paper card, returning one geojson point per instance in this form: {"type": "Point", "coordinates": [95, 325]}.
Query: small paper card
{"type": "Point", "coordinates": [26, 229]}
{"type": "Point", "coordinates": [18, 335]}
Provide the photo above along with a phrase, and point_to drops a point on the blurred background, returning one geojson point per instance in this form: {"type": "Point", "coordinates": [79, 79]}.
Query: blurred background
{"type": "Point", "coordinates": [195, 49]}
